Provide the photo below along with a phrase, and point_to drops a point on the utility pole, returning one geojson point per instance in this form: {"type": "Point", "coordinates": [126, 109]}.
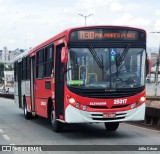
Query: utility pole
{"type": "Point", "coordinates": [157, 68]}
{"type": "Point", "coordinates": [4, 58]}
{"type": "Point", "coordinates": [4, 78]}
{"type": "Point", "coordinates": [85, 17]}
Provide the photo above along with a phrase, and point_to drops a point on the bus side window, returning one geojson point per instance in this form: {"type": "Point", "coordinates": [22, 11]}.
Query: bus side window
{"type": "Point", "coordinates": [28, 68]}
{"type": "Point", "coordinates": [40, 64]}
{"type": "Point", "coordinates": [49, 61]}
{"type": "Point", "coordinates": [24, 66]}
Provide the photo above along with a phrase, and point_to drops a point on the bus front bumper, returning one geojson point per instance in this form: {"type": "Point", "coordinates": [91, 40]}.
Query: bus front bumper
{"type": "Point", "coordinates": [74, 115]}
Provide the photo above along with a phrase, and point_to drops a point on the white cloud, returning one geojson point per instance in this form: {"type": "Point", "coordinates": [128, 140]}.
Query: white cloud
{"type": "Point", "coordinates": [3, 9]}
{"type": "Point", "coordinates": [157, 12]}
{"type": "Point", "coordinates": [140, 21]}
{"type": "Point", "coordinates": [96, 6]}
{"type": "Point", "coordinates": [123, 20]}
{"type": "Point", "coordinates": [11, 41]}
{"type": "Point", "coordinates": [116, 7]}
{"type": "Point", "coordinates": [157, 25]}
{"type": "Point", "coordinates": [130, 20]}
{"type": "Point", "coordinates": [38, 22]}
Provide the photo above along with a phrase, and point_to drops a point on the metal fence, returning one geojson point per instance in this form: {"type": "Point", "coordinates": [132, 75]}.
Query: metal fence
{"type": "Point", "coordinates": [153, 85]}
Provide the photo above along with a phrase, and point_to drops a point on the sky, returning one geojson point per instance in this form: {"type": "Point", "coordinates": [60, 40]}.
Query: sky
{"type": "Point", "coordinates": [27, 23]}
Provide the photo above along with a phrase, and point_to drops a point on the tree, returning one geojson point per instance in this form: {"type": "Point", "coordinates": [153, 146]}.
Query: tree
{"type": "Point", "coordinates": [9, 68]}
{"type": "Point", "coordinates": [1, 72]}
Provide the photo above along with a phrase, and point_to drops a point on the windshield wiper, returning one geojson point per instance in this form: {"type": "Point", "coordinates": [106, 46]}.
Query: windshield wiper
{"type": "Point", "coordinates": [123, 55]}
{"type": "Point", "coordinates": [96, 57]}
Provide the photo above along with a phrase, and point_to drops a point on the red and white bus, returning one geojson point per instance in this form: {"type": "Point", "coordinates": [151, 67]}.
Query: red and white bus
{"type": "Point", "coordinates": [93, 74]}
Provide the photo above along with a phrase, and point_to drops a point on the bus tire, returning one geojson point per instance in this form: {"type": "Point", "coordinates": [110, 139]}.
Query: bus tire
{"type": "Point", "coordinates": [27, 114]}
{"type": "Point", "coordinates": [111, 126]}
{"type": "Point", "coordinates": [56, 125]}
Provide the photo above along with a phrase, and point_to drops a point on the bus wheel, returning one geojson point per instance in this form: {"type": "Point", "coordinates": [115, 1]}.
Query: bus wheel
{"type": "Point", "coordinates": [111, 126]}
{"type": "Point", "coordinates": [56, 125]}
{"type": "Point", "coordinates": [27, 114]}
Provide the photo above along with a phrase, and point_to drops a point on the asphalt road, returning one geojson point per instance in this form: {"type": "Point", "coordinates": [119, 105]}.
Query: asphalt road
{"type": "Point", "coordinates": [14, 129]}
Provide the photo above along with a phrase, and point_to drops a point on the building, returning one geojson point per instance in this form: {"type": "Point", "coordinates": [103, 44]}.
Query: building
{"type": "Point", "coordinates": [7, 57]}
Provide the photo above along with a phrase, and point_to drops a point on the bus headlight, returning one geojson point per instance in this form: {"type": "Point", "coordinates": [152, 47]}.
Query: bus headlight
{"type": "Point", "coordinates": [142, 99]}
{"type": "Point", "coordinates": [72, 100]}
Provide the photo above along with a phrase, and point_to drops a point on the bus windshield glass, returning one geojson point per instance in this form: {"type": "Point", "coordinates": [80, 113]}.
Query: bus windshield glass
{"type": "Point", "coordinates": [108, 68]}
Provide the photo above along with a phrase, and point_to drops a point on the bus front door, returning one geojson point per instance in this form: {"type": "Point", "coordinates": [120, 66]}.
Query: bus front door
{"type": "Point", "coordinates": [59, 84]}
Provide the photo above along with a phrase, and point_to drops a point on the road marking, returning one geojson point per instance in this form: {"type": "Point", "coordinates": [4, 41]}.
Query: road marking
{"type": "Point", "coordinates": [142, 127]}
{"type": "Point", "coordinates": [6, 137]}
{"type": "Point", "coordinates": [1, 131]}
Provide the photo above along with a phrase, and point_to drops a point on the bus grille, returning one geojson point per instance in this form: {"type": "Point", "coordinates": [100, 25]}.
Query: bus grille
{"type": "Point", "coordinates": [118, 118]}
{"type": "Point", "coordinates": [102, 93]}
{"type": "Point", "coordinates": [105, 107]}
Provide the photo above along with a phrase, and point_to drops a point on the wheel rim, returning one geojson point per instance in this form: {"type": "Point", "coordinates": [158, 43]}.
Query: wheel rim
{"type": "Point", "coordinates": [52, 117]}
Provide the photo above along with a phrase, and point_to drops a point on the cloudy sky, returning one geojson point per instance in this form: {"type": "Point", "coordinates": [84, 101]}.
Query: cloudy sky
{"type": "Point", "coordinates": [26, 23]}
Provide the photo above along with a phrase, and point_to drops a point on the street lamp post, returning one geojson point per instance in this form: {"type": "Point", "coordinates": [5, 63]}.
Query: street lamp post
{"type": "Point", "coordinates": [85, 17]}
{"type": "Point", "coordinates": [157, 68]}
{"type": "Point", "coordinates": [4, 87]}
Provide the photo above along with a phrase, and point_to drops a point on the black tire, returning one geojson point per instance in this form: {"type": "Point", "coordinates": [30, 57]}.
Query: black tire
{"type": "Point", "coordinates": [56, 125]}
{"type": "Point", "coordinates": [27, 114]}
{"type": "Point", "coordinates": [36, 116]}
{"type": "Point", "coordinates": [111, 126]}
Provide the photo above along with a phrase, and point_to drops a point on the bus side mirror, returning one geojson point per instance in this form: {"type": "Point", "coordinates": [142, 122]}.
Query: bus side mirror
{"type": "Point", "coordinates": [64, 55]}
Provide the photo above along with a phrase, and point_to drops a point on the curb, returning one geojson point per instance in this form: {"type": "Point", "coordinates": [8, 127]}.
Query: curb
{"type": "Point", "coordinates": [10, 96]}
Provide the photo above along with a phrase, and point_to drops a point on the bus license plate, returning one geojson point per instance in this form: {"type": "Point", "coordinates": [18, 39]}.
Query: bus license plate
{"type": "Point", "coordinates": [109, 115]}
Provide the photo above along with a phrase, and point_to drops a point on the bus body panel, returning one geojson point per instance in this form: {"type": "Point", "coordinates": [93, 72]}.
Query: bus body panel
{"type": "Point", "coordinates": [41, 107]}
{"type": "Point", "coordinates": [71, 113]}
{"type": "Point", "coordinates": [28, 101]}
{"type": "Point", "coordinates": [16, 94]}
{"type": "Point", "coordinates": [80, 116]}
{"type": "Point", "coordinates": [42, 95]}
{"type": "Point", "coordinates": [25, 88]}
{"type": "Point", "coordinates": [41, 90]}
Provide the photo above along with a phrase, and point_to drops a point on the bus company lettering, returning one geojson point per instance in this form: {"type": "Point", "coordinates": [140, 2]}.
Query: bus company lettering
{"type": "Point", "coordinates": [120, 101]}
{"type": "Point", "coordinates": [94, 35]}
{"type": "Point", "coordinates": [98, 103]}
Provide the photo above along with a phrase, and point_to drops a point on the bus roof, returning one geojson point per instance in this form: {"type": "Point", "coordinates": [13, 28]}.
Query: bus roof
{"type": "Point", "coordinates": [21, 55]}
{"type": "Point", "coordinates": [66, 32]}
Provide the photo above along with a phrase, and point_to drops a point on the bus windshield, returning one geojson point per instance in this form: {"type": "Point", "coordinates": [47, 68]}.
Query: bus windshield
{"type": "Point", "coordinates": [108, 68]}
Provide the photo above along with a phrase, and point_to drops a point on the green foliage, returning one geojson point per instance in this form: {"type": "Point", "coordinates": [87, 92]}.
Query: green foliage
{"type": "Point", "coordinates": [9, 68]}
{"type": "Point", "coordinates": [1, 70]}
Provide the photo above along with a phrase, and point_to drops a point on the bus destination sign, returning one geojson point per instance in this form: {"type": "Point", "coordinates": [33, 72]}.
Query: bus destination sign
{"type": "Point", "coordinates": [109, 34]}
